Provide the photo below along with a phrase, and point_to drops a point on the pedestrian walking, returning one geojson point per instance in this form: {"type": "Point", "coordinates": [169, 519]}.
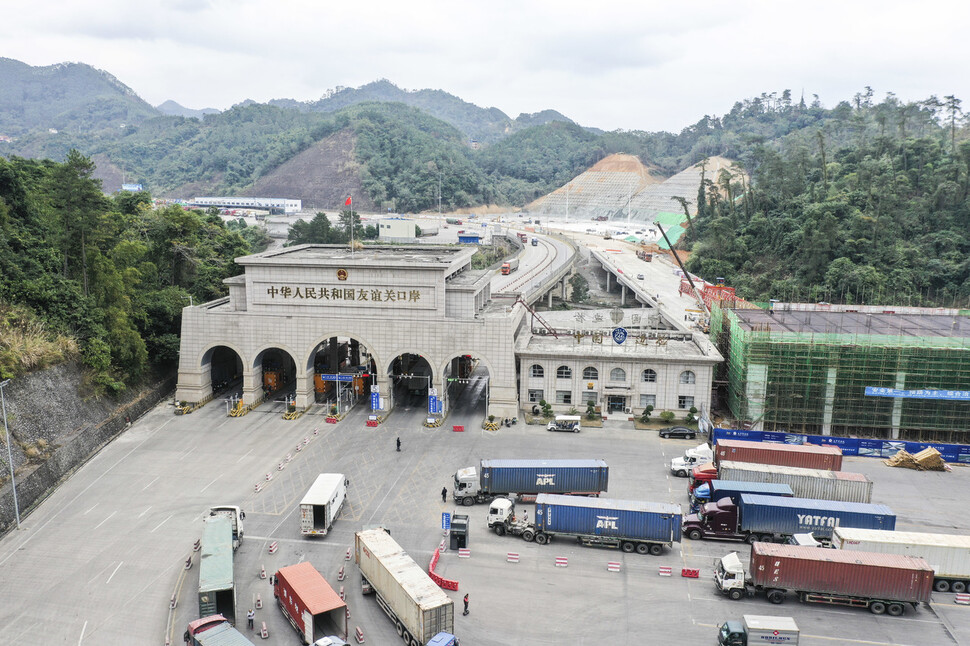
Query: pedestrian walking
{"type": "Point", "coordinates": [250, 618]}
{"type": "Point", "coordinates": [398, 444]}
{"type": "Point", "coordinates": [444, 494]}
{"type": "Point", "coordinates": [466, 605]}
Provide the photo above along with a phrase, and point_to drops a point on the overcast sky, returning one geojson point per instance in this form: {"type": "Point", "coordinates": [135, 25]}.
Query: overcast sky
{"type": "Point", "coordinates": [632, 65]}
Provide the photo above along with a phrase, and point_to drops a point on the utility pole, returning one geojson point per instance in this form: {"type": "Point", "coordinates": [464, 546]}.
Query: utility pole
{"type": "Point", "coordinates": [439, 194]}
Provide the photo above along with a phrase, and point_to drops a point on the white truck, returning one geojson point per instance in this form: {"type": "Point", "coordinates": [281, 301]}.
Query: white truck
{"type": "Point", "coordinates": [322, 503]}
{"type": "Point", "coordinates": [948, 554]}
{"type": "Point", "coordinates": [692, 457]}
{"type": "Point", "coordinates": [417, 606]}
{"type": "Point", "coordinates": [758, 629]}
{"type": "Point", "coordinates": [236, 516]}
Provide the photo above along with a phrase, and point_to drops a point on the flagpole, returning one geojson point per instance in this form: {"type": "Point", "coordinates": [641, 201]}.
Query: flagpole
{"type": "Point", "coordinates": [351, 200]}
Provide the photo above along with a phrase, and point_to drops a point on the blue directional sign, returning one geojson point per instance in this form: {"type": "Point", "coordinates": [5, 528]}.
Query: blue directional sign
{"type": "Point", "coordinates": [435, 405]}
{"type": "Point", "coordinates": [375, 401]}
{"type": "Point", "coordinates": [619, 335]}
{"type": "Point", "coordinates": [331, 377]}
{"type": "Point", "coordinates": [445, 520]}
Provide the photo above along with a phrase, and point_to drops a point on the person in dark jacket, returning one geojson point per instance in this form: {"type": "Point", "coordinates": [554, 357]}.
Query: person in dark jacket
{"type": "Point", "coordinates": [466, 605]}
{"type": "Point", "coordinates": [398, 444]}
{"type": "Point", "coordinates": [444, 494]}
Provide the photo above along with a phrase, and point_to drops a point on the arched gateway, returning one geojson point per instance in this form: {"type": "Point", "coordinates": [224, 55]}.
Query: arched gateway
{"type": "Point", "coordinates": [369, 312]}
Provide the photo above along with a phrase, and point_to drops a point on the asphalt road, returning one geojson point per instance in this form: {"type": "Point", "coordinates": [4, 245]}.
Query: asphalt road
{"type": "Point", "coordinates": [100, 559]}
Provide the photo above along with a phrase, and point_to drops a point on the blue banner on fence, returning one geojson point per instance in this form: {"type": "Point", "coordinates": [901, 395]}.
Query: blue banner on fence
{"type": "Point", "coordinates": [850, 445]}
{"type": "Point", "coordinates": [958, 395]}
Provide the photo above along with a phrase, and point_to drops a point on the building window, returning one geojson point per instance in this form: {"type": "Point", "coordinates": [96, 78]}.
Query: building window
{"type": "Point", "coordinates": [535, 396]}
{"type": "Point", "coordinates": [648, 400]}
{"type": "Point", "coordinates": [686, 402]}
{"type": "Point", "coordinates": [564, 397]}
{"type": "Point", "coordinates": [537, 371]}
{"type": "Point", "coordinates": [564, 372]}
{"type": "Point", "coordinates": [650, 376]}
{"type": "Point", "coordinates": [588, 397]}
{"type": "Point", "coordinates": [591, 373]}
{"type": "Point", "coordinates": [617, 374]}
{"type": "Point", "coordinates": [687, 377]}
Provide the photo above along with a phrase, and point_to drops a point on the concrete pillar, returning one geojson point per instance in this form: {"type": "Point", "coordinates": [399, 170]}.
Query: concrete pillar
{"type": "Point", "coordinates": [333, 356]}
{"type": "Point", "coordinates": [550, 297]}
{"type": "Point", "coordinates": [623, 295]}
{"type": "Point", "coordinates": [304, 390]}
{"type": "Point", "coordinates": [252, 385]}
{"type": "Point", "coordinates": [898, 405]}
{"type": "Point", "coordinates": [608, 276]}
{"type": "Point", "coordinates": [830, 379]}
{"type": "Point", "coordinates": [384, 391]}
{"type": "Point", "coordinates": [755, 392]}
{"type": "Point", "coordinates": [562, 294]}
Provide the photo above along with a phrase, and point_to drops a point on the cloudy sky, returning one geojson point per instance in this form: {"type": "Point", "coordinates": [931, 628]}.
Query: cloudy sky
{"type": "Point", "coordinates": [623, 64]}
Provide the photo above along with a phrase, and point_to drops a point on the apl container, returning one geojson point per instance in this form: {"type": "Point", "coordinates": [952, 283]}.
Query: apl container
{"type": "Point", "coordinates": [653, 521]}
{"type": "Point", "coordinates": [544, 476]}
{"type": "Point", "coordinates": [808, 456]}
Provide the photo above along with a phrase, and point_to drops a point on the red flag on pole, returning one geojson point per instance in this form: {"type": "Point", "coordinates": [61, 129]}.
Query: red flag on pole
{"type": "Point", "coordinates": [349, 200]}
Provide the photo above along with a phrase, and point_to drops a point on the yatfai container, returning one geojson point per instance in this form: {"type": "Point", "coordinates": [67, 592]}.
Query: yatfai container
{"type": "Point", "coordinates": [624, 519]}
{"type": "Point", "coordinates": [787, 516]}
{"type": "Point", "coordinates": [806, 456]}
{"type": "Point", "coordinates": [805, 483]}
{"type": "Point", "coordinates": [544, 476]}
{"type": "Point", "coordinates": [864, 575]}
{"type": "Point", "coordinates": [309, 603]}
{"type": "Point", "coordinates": [947, 554]}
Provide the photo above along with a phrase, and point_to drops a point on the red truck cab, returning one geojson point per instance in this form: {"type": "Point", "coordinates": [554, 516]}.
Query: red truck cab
{"type": "Point", "coordinates": [701, 474]}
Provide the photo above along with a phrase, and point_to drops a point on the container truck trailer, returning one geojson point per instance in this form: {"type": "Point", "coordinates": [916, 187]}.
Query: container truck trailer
{"type": "Point", "coordinates": [758, 629]}
{"type": "Point", "coordinates": [416, 605]}
{"type": "Point", "coordinates": [322, 503]}
{"type": "Point", "coordinates": [510, 266]}
{"type": "Point", "coordinates": [214, 630]}
{"type": "Point", "coordinates": [309, 603]}
{"type": "Point", "coordinates": [947, 554]}
{"type": "Point", "coordinates": [718, 489]}
{"type": "Point", "coordinates": [883, 583]}
{"type": "Point", "coordinates": [236, 517]}
{"type": "Point", "coordinates": [806, 483]}
{"type": "Point", "coordinates": [776, 519]}
{"type": "Point", "coordinates": [644, 527]}
{"type": "Point", "coordinates": [217, 586]}
{"type": "Point", "coordinates": [523, 478]}
{"type": "Point", "coordinates": [808, 456]}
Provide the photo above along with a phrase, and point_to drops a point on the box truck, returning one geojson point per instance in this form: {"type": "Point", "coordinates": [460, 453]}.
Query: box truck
{"type": "Point", "coordinates": [523, 478]}
{"type": "Point", "coordinates": [309, 603]}
{"type": "Point", "coordinates": [717, 489]}
{"type": "Point", "coordinates": [322, 503]}
{"type": "Point", "coordinates": [758, 629]}
{"type": "Point", "coordinates": [808, 456]}
{"type": "Point", "coordinates": [883, 583]}
{"type": "Point", "coordinates": [947, 554]}
{"type": "Point", "coordinates": [416, 605]}
{"type": "Point", "coordinates": [644, 527]}
{"type": "Point", "coordinates": [217, 586]}
{"type": "Point", "coordinates": [510, 266]}
{"type": "Point", "coordinates": [773, 518]}
{"type": "Point", "coordinates": [806, 483]}
{"type": "Point", "coordinates": [236, 517]}
{"type": "Point", "coordinates": [214, 630]}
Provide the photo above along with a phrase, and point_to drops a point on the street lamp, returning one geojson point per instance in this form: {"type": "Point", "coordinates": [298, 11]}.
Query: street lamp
{"type": "Point", "coordinates": [13, 483]}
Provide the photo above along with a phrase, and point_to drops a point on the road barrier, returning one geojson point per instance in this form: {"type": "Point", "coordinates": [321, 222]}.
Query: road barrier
{"type": "Point", "coordinates": [262, 572]}
{"type": "Point", "coordinates": [340, 573]}
{"type": "Point", "coordinates": [512, 557]}
{"type": "Point", "coordinates": [562, 561]}
{"type": "Point", "coordinates": [359, 635]}
{"type": "Point", "coordinates": [347, 555]}
{"type": "Point", "coordinates": [273, 547]}
{"type": "Point", "coordinates": [458, 428]}
{"type": "Point", "coordinates": [665, 571]}
{"type": "Point", "coordinates": [348, 613]}
{"type": "Point", "coordinates": [188, 563]}
{"type": "Point", "coordinates": [264, 633]}
{"type": "Point", "coordinates": [613, 566]}
{"type": "Point", "coordinates": [197, 546]}
{"type": "Point", "coordinates": [269, 476]}
{"type": "Point", "coordinates": [464, 553]}
{"type": "Point", "coordinates": [963, 599]}
{"type": "Point", "coordinates": [343, 596]}
{"type": "Point", "coordinates": [259, 602]}
{"type": "Point", "coordinates": [172, 602]}
{"type": "Point", "coordinates": [372, 423]}
{"type": "Point", "coordinates": [258, 487]}
{"type": "Point", "coordinates": [690, 573]}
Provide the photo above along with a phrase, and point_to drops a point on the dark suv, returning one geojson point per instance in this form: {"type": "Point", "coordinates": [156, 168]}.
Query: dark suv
{"type": "Point", "coordinates": [678, 431]}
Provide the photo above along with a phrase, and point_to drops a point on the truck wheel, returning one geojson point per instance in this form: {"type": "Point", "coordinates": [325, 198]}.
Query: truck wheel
{"type": "Point", "coordinates": [776, 596]}
{"type": "Point", "coordinates": [941, 585]}
{"type": "Point", "coordinates": [959, 586]}
{"type": "Point", "coordinates": [627, 547]}
{"type": "Point", "coordinates": [877, 607]}
{"type": "Point", "coordinates": [735, 594]}
{"type": "Point", "coordinates": [468, 502]}
{"type": "Point", "coordinates": [895, 609]}
{"type": "Point", "coordinates": [656, 550]}
{"type": "Point", "coordinates": [528, 535]}
{"type": "Point", "coordinates": [694, 534]}
{"type": "Point", "coordinates": [767, 538]}
{"type": "Point", "coordinates": [643, 548]}
{"type": "Point", "coordinates": [751, 539]}
{"type": "Point", "coordinates": [680, 474]}
{"type": "Point", "coordinates": [500, 530]}
{"type": "Point", "coordinates": [398, 627]}
{"type": "Point", "coordinates": [542, 539]}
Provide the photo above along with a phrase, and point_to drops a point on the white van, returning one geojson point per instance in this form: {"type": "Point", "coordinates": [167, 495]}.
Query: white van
{"type": "Point", "coordinates": [568, 423]}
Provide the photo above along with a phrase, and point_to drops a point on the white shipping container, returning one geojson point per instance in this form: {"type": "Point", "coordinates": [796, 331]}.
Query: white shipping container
{"type": "Point", "coordinates": [410, 594]}
{"type": "Point", "coordinates": [820, 484]}
{"type": "Point", "coordinates": [321, 504]}
{"type": "Point", "coordinates": [947, 554]}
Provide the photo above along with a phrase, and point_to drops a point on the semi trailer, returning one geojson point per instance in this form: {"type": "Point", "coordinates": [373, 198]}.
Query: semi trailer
{"type": "Point", "coordinates": [309, 603]}
{"type": "Point", "coordinates": [417, 606]}
{"type": "Point", "coordinates": [644, 527]}
{"type": "Point", "coordinates": [236, 517]}
{"type": "Point", "coordinates": [947, 554]}
{"type": "Point", "coordinates": [510, 266]}
{"type": "Point", "coordinates": [883, 583]}
{"type": "Point", "coordinates": [806, 483]}
{"type": "Point", "coordinates": [523, 478]}
{"type": "Point", "coordinates": [776, 519]}
{"type": "Point", "coordinates": [217, 585]}
{"type": "Point", "coordinates": [718, 489]}
{"type": "Point", "coordinates": [322, 503]}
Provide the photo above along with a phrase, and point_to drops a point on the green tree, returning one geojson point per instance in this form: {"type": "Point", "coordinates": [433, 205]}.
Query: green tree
{"type": "Point", "coordinates": [580, 288]}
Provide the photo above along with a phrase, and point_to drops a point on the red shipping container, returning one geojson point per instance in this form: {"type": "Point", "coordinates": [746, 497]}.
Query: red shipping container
{"type": "Point", "coordinates": [870, 575]}
{"type": "Point", "coordinates": [806, 456]}
{"type": "Point", "coordinates": [309, 602]}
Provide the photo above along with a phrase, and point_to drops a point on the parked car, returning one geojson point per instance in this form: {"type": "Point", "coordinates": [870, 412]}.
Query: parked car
{"type": "Point", "coordinates": [639, 276]}
{"type": "Point", "coordinates": [678, 431]}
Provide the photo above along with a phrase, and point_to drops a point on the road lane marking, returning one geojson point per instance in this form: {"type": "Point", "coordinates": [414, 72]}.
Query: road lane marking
{"type": "Point", "coordinates": [105, 520]}
{"type": "Point", "coordinates": [83, 628]}
{"type": "Point", "coordinates": [210, 484]}
{"type": "Point", "coordinates": [244, 456]}
{"type": "Point", "coordinates": [150, 483]}
{"type": "Point", "coordinates": [92, 509]}
{"type": "Point", "coordinates": [161, 523]}
{"type": "Point", "coordinates": [144, 512]}
{"type": "Point", "coordinates": [113, 573]}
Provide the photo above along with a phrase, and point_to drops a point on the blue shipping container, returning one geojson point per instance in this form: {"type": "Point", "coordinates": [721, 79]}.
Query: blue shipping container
{"type": "Point", "coordinates": [763, 514]}
{"type": "Point", "coordinates": [633, 519]}
{"type": "Point", "coordinates": [734, 488]}
{"type": "Point", "coordinates": [544, 476]}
